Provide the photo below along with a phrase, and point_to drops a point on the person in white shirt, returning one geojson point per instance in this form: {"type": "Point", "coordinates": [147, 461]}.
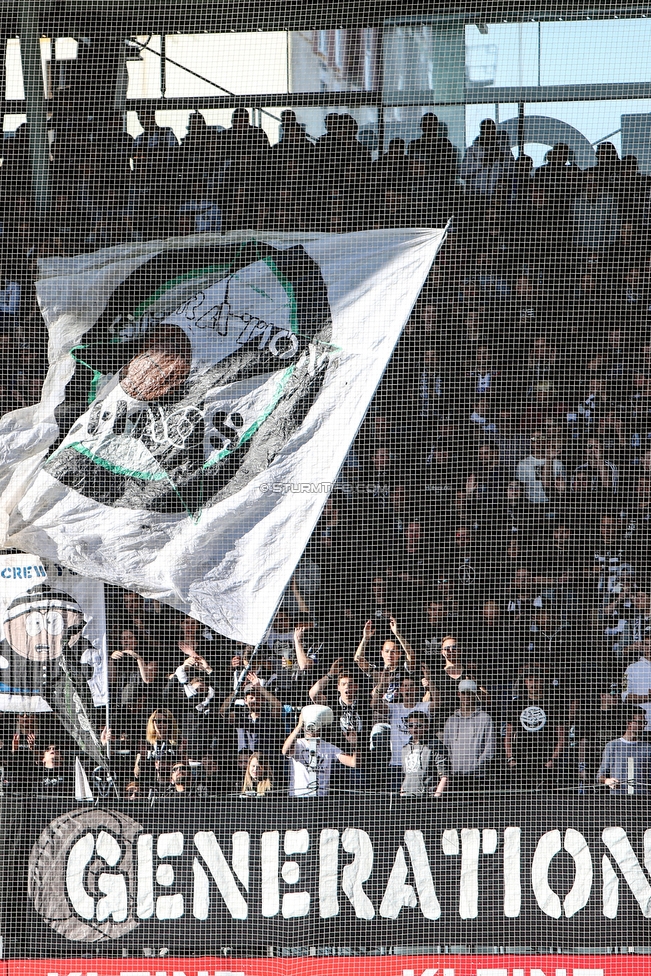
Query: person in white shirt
{"type": "Point", "coordinates": [626, 762]}
{"type": "Point", "coordinates": [542, 473]}
{"type": "Point", "coordinates": [311, 757]}
{"type": "Point", "coordinates": [637, 682]}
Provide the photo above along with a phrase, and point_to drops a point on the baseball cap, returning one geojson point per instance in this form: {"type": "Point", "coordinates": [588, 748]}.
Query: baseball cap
{"type": "Point", "coordinates": [467, 685]}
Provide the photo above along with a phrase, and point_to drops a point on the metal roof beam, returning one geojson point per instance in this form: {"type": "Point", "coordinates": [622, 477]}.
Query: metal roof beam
{"type": "Point", "coordinates": [72, 17]}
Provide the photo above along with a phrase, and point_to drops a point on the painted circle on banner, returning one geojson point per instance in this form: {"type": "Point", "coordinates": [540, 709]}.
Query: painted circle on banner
{"type": "Point", "coordinates": [82, 875]}
{"type": "Point", "coordinates": [533, 718]}
{"type": "Point", "coordinates": [232, 354]}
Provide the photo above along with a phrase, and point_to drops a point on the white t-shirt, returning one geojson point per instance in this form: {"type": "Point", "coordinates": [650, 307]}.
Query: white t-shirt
{"type": "Point", "coordinates": [637, 679]}
{"type": "Point", "coordinates": [530, 474]}
{"type": "Point", "coordinates": [400, 734]}
{"type": "Point", "coordinates": [310, 767]}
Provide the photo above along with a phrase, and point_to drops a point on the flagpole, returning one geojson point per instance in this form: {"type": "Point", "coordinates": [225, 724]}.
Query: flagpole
{"type": "Point", "coordinates": [247, 668]}
{"type": "Point", "coordinates": [107, 722]}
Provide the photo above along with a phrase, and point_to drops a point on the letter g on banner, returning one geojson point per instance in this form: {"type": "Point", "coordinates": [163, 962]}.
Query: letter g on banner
{"type": "Point", "coordinates": [82, 875]}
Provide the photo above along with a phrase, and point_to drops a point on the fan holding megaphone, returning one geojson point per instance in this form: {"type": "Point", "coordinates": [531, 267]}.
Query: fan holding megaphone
{"type": "Point", "coordinates": [310, 756]}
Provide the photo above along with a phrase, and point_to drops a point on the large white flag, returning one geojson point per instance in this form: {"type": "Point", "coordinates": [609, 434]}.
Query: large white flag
{"type": "Point", "coordinates": [214, 388]}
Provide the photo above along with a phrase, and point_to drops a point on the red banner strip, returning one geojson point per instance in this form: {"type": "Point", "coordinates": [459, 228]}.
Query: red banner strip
{"type": "Point", "coordinates": [445, 965]}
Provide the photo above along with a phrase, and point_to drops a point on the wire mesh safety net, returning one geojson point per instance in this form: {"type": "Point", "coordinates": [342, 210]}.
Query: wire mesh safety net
{"type": "Point", "coordinates": [325, 490]}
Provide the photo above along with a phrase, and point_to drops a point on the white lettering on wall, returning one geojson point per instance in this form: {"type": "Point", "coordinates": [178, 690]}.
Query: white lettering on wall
{"type": "Point", "coordinates": [358, 842]}
{"type": "Point", "coordinates": [512, 882]}
{"type": "Point", "coordinates": [329, 873]}
{"type": "Point", "coordinates": [115, 902]}
{"type": "Point", "coordinates": [398, 893]}
{"type": "Point", "coordinates": [429, 903]}
{"type": "Point", "coordinates": [168, 906]}
{"type": "Point", "coordinates": [211, 852]}
{"type": "Point", "coordinates": [577, 897]}
{"type": "Point", "coordinates": [619, 846]}
{"type": "Point", "coordinates": [269, 847]}
{"type": "Point", "coordinates": [145, 895]}
{"type": "Point", "coordinates": [469, 879]}
{"type": "Point", "coordinates": [79, 858]}
{"type": "Point", "coordinates": [295, 903]}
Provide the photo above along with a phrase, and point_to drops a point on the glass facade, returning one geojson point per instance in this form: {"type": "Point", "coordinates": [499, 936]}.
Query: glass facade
{"type": "Point", "coordinates": [569, 58]}
{"type": "Point", "coordinates": [582, 81]}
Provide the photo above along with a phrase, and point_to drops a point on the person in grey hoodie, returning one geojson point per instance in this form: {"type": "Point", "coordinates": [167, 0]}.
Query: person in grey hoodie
{"type": "Point", "coordinates": [469, 737]}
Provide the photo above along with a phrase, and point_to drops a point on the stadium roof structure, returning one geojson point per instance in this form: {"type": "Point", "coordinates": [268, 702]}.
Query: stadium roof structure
{"type": "Point", "coordinates": [107, 25]}
{"type": "Point", "coordinates": [249, 15]}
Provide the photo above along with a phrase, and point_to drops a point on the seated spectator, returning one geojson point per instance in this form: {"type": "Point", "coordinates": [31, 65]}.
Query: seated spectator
{"type": "Point", "coordinates": [311, 757]}
{"type": "Point", "coordinates": [154, 151]}
{"type": "Point", "coordinates": [487, 480]}
{"type": "Point", "coordinates": [611, 565]}
{"type": "Point", "coordinates": [200, 213]}
{"type": "Point", "coordinates": [258, 778]}
{"type": "Point", "coordinates": [559, 177]}
{"type": "Point", "coordinates": [391, 167]}
{"type": "Point", "coordinates": [542, 367]}
{"type": "Point", "coordinates": [444, 682]}
{"type": "Point", "coordinates": [297, 672]}
{"type": "Point", "coordinates": [469, 738]}
{"type": "Point", "coordinates": [295, 145]}
{"type": "Point", "coordinates": [595, 215]}
{"type": "Point", "coordinates": [241, 146]}
{"type": "Point", "coordinates": [192, 698]}
{"type": "Point", "coordinates": [639, 620]}
{"type": "Point", "coordinates": [626, 763]}
{"type": "Point", "coordinates": [431, 627]}
{"type": "Point", "coordinates": [467, 560]}
{"type": "Point", "coordinates": [436, 150]}
{"type": "Point", "coordinates": [122, 755]}
{"type": "Point", "coordinates": [25, 753]}
{"type": "Point", "coordinates": [555, 564]}
{"type": "Point", "coordinates": [197, 158]}
{"type": "Point", "coordinates": [425, 765]}
{"type": "Point", "coordinates": [482, 376]}
{"type": "Point", "coordinates": [180, 781]}
{"type": "Point", "coordinates": [616, 616]}
{"type": "Point", "coordinates": [209, 780]}
{"type": "Point", "coordinates": [132, 791]}
{"type": "Point", "coordinates": [163, 746]}
{"type": "Point", "coordinates": [153, 135]}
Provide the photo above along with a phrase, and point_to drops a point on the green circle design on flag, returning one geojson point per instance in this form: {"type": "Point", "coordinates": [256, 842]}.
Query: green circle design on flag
{"type": "Point", "coordinates": [198, 372]}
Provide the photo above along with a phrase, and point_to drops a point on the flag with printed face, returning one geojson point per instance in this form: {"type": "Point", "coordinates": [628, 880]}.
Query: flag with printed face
{"type": "Point", "coordinates": [52, 645]}
{"type": "Point", "coordinates": [209, 390]}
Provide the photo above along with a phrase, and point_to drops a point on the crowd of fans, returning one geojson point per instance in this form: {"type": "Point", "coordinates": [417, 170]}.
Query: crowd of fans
{"type": "Point", "coordinates": [473, 611]}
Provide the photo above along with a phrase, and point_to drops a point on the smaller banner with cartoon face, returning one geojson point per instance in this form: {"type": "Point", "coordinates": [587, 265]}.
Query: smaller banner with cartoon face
{"type": "Point", "coordinates": [53, 646]}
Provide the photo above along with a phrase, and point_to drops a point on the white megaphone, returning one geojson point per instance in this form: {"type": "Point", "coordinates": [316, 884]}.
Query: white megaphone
{"type": "Point", "coordinates": [315, 718]}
